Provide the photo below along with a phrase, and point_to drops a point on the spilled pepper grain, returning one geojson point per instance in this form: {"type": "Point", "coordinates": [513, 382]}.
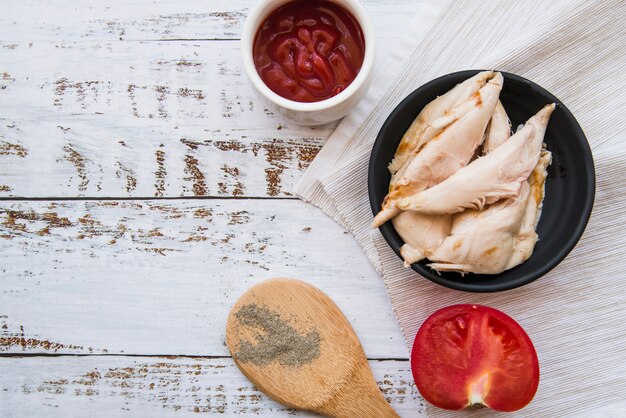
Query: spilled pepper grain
{"type": "Point", "coordinates": [280, 341]}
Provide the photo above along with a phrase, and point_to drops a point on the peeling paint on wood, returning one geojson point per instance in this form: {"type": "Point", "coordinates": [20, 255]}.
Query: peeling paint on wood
{"type": "Point", "coordinates": [231, 176]}
{"type": "Point", "coordinates": [163, 20]}
{"type": "Point", "coordinates": [92, 104]}
{"type": "Point", "coordinates": [159, 277]}
{"type": "Point", "coordinates": [12, 222]}
{"type": "Point", "coordinates": [13, 338]}
{"type": "Point", "coordinates": [195, 175]}
{"type": "Point", "coordinates": [78, 161]}
{"type": "Point", "coordinates": [164, 386]}
{"type": "Point", "coordinates": [162, 134]}
{"type": "Point", "coordinates": [160, 173]}
{"type": "Point", "coordinates": [137, 80]}
{"type": "Point", "coordinates": [198, 167]}
{"type": "Point", "coordinates": [147, 93]}
{"type": "Point", "coordinates": [127, 174]}
{"type": "Point", "coordinates": [7, 148]}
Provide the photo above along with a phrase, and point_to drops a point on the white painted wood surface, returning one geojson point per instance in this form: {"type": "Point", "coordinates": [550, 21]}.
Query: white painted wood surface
{"type": "Point", "coordinates": [143, 117]}
{"type": "Point", "coordinates": [105, 386]}
{"type": "Point", "coordinates": [110, 20]}
{"type": "Point", "coordinates": [159, 277]}
{"type": "Point", "coordinates": [106, 99]}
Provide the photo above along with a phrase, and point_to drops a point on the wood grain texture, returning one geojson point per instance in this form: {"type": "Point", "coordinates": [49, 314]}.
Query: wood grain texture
{"type": "Point", "coordinates": [329, 374]}
{"type": "Point", "coordinates": [147, 99]}
{"type": "Point", "coordinates": [141, 119]}
{"type": "Point", "coordinates": [105, 117]}
{"type": "Point", "coordinates": [105, 386]}
{"type": "Point", "coordinates": [166, 19]}
{"type": "Point", "coordinates": [159, 277]}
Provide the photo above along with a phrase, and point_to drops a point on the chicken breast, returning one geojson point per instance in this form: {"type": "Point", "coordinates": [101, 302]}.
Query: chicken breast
{"type": "Point", "coordinates": [486, 180]}
{"type": "Point", "coordinates": [527, 237]}
{"type": "Point", "coordinates": [483, 241]}
{"type": "Point", "coordinates": [499, 237]}
{"type": "Point", "coordinates": [421, 234]}
{"type": "Point", "coordinates": [498, 131]}
{"type": "Point", "coordinates": [414, 137]}
{"type": "Point", "coordinates": [451, 149]}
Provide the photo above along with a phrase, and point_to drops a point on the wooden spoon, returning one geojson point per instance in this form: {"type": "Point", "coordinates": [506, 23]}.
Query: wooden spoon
{"type": "Point", "coordinates": [295, 345]}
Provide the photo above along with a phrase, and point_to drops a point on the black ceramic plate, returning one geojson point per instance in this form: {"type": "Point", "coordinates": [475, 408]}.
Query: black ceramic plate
{"type": "Point", "coordinates": [570, 186]}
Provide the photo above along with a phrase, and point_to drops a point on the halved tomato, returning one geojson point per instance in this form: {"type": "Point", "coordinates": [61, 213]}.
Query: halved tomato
{"type": "Point", "coordinates": [472, 354]}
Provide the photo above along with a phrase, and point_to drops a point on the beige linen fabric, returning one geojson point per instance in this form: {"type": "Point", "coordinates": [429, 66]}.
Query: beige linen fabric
{"type": "Point", "coordinates": [574, 314]}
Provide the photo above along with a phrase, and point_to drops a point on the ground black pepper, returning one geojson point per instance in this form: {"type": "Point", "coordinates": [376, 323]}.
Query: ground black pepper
{"type": "Point", "coordinates": [280, 342]}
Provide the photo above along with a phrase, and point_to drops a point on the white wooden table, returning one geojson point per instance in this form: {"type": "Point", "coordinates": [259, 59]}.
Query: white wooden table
{"type": "Point", "coordinates": [143, 188]}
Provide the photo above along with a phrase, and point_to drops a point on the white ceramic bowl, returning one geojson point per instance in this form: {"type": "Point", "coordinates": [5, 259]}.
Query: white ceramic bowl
{"type": "Point", "coordinates": [315, 113]}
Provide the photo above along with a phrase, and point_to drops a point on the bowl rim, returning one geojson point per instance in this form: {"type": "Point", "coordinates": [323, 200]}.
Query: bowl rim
{"type": "Point", "coordinates": [557, 257]}
{"type": "Point", "coordinates": [255, 17]}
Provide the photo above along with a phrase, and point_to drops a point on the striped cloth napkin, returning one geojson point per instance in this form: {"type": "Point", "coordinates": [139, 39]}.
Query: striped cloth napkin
{"type": "Point", "coordinates": [574, 314]}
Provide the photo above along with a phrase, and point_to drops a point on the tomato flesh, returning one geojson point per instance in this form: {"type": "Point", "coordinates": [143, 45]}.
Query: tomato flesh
{"type": "Point", "coordinates": [472, 354]}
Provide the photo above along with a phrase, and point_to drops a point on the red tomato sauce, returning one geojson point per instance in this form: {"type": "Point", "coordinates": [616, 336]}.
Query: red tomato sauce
{"type": "Point", "coordinates": [309, 50]}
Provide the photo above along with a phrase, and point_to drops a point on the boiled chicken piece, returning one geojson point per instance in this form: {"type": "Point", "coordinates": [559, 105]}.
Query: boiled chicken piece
{"type": "Point", "coordinates": [421, 234]}
{"type": "Point", "coordinates": [414, 137]}
{"type": "Point", "coordinates": [498, 131]}
{"type": "Point", "coordinates": [462, 132]}
{"type": "Point", "coordinates": [436, 117]}
{"type": "Point", "coordinates": [482, 241]}
{"type": "Point", "coordinates": [499, 237]}
{"type": "Point", "coordinates": [527, 236]}
{"type": "Point", "coordinates": [488, 179]}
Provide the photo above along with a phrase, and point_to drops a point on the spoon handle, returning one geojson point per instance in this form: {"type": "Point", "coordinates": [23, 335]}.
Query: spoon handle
{"type": "Point", "coordinates": [359, 397]}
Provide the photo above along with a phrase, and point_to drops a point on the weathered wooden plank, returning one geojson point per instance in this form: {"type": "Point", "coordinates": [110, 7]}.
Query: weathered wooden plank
{"type": "Point", "coordinates": [146, 19]}
{"type": "Point", "coordinates": [100, 117]}
{"type": "Point", "coordinates": [141, 119]}
{"type": "Point", "coordinates": [159, 277]}
{"type": "Point", "coordinates": [104, 386]}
